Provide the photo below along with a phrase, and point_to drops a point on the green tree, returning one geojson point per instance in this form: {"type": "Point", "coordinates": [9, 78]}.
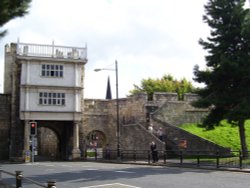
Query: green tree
{"type": "Point", "coordinates": [165, 84]}
{"type": "Point", "coordinates": [10, 9]}
{"type": "Point", "coordinates": [227, 76]}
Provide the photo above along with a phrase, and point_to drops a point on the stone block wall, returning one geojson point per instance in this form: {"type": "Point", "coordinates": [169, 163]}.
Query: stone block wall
{"type": "Point", "coordinates": [96, 116]}
{"type": "Point", "coordinates": [101, 115]}
{"type": "Point", "coordinates": [4, 126]}
{"type": "Point", "coordinates": [132, 109]}
{"type": "Point", "coordinates": [189, 97]}
{"type": "Point", "coordinates": [162, 97]}
{"type": "Point", "coordinates": [136, 137]}
{"type": "Point", "coordinates": [179, 112]}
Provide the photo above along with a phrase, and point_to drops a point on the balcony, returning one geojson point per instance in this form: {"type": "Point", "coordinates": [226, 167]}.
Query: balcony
{"type": "Point", "coordinates": [51, 51]}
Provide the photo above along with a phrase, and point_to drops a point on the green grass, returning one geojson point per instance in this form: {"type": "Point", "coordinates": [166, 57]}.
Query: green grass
{"type": "Point", "coordinates": [225, 135]}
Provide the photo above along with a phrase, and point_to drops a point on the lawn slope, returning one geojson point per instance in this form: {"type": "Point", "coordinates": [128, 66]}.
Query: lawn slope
{"type": "Point", "coordinates": [225, 135]}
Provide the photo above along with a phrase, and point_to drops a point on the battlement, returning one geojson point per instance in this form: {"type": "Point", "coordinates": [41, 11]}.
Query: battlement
{"type": "Point", "coordinates": [164, 96]}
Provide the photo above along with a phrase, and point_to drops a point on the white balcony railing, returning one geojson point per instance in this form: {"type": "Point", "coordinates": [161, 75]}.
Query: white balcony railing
{"type": "Point", "coordinates": [51, 51]}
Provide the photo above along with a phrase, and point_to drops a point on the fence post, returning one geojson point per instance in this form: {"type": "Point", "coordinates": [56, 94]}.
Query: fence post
{"type": "Point", "coordinates": [181, 158]}
{"type": "Point", "coordinates": [51, 184]}
{"type": "Point", "coordinates": [198, 159]}
{"type": "Point", "coordinates": [217, 159]}
{"type": "Point", "coordinates": [135, 155]}
{"type": "Point", "coordinates": [148, 156]}
{"type": "Point", "coordinates": [164, 156]}
{"type": "Point", "coordinates": [240, 158]}
{"type": "Point", "coordinates": [96, 154]}
{"type": "Point", "coordinates": [121, 155]}
{"type": "Point", "coordinates": [19, 177]}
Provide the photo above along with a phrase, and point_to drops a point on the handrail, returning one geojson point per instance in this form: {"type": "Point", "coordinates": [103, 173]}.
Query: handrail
{"type": "Point", "coordinates": [51, 51]}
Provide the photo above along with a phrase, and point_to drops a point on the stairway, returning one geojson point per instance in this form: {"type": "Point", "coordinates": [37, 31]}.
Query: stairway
{"type": "Point", "coordinates": [169, 119]}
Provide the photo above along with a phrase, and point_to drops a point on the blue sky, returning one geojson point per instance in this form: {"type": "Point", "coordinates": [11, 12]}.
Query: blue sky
{"type": "Point", "coordinates": [148, 38]}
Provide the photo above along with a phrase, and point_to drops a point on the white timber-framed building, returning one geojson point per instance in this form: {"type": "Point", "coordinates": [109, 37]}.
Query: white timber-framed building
{"type": "Point", "coordinates": [46, 86]}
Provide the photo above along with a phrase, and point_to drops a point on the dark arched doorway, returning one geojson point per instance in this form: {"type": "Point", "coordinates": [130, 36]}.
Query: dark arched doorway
{"type": "Point", "coordinates": [96, 141]}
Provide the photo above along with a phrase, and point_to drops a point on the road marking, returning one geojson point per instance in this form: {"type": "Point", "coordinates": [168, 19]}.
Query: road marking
{"type": "Point", "coordinates": [114, 185]}
{"type": "Point", "coordinates": [123, 171]}
{"type": "Point", "coordinates": [47, 164]}
{"type": "Point", "coordinates": [30, 163]}
{"type": "Point", "coordinates": [66, 165]}
{"type": "Point", "coordinates": [92, 169]}
{"type": "Point", "coordinates": [51, 169]}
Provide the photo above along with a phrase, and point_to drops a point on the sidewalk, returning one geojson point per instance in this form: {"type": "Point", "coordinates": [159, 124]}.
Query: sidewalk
{"type": "Point", "coordinates": [171, 163]}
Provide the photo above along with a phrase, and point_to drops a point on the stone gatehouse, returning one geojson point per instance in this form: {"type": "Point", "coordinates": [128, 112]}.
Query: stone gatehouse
{"type": "Point", "coordinates": [44, 83]}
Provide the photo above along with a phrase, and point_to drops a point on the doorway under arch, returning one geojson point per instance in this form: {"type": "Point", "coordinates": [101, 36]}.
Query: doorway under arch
{"type": "Point", "coordinates": [96, 139]}
{"type": "Point", "coordinates": [96, 142]}
{"type": "Point", "coordinates": [47, 144]}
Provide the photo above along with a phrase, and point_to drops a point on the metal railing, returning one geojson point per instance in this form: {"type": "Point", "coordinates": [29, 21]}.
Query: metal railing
{"type": "Point", "coordinates": [20, 178]}
{"type": "Point", "coordinates": [51, 51]}
{"type": "Point", "coordinates": [213, 159]}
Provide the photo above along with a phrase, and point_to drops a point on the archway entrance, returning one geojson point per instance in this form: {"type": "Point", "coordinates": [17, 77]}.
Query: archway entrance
{"type": "Point", "coordinates": [96, 141]}
{"type": "Point", "coordinates": [47, 145]}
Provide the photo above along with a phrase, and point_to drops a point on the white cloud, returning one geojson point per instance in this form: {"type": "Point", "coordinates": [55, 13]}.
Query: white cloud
{"type": "Point", "coordinates": [149, 38]}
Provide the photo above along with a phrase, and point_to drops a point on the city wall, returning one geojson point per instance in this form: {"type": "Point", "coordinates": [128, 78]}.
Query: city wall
{"type": "Point", "coordinates": [4, 126]}
{"type": "Point", "coordinates": [135, 114]}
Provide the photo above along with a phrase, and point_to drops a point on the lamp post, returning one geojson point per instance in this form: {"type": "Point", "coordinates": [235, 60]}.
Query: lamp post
{"type": "Point", "coordinates": [117, 107]}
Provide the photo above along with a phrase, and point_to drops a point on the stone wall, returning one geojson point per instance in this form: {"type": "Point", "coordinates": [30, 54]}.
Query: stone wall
{"type": "Point", "coordinates": [137, 137]}
{"type": "Point", "coordinates": [4, 126]}
{"type": "Point", "coordinates": [101, 115]}
{"type": "Point", "coordinates": [180, 112]}
{"type": "Point", "coordinates": [162, 97]}
{"type": "Point", "coordinates": [12, 87]}
{"type": "Point", "coordinates": [97, 116]}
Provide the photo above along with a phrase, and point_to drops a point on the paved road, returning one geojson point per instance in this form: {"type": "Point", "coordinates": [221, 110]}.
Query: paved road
{"type": "Point", "coordinates": [91, 174]}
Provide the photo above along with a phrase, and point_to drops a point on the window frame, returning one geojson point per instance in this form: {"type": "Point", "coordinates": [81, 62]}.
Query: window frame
{"type": "Point", "coordinates": [51, 98]}
{"type": "Point", "coordinates": [52, 70]}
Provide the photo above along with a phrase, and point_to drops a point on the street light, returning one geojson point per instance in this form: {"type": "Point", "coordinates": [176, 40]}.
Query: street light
{"type": "Point", "coordinates": [117, 107]}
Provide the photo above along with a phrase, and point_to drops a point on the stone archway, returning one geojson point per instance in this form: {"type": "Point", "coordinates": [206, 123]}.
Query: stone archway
{"type": "Point", "coordinates": [96, 141]}
{"type": "Point", "coordinates": [48, 147]}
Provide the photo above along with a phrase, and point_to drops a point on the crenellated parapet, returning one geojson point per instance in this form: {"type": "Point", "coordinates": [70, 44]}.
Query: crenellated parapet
{"type": "Point", "coordinates": [164, 96]}
{"type": "Point", "coordinates": [190, 97]}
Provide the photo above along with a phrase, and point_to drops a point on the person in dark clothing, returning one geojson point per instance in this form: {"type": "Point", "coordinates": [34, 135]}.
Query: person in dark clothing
{"type": "Point", "coordinates": [154, 151]}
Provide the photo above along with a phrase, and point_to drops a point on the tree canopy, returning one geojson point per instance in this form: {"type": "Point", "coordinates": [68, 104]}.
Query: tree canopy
{"type": "Point", "coordinates": [165, 84]}
{"type": "Point", "coordinates": [10, 9]}
{"type": "Point", "coordinates": [227, 76]}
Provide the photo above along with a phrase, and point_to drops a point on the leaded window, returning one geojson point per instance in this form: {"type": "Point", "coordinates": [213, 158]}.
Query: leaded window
{"type": "Point", "coordinates": [51, 98]}
{"type": "Point", "coordinates": [50, 70]}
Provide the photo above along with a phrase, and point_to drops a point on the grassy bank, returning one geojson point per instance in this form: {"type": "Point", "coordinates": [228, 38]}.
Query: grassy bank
{"type": "Point", "coordinates": [225, 135]}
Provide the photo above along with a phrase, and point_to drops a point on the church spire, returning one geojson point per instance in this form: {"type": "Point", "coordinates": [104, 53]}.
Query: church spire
{"type": "Point", "coordinates": [108, 92]}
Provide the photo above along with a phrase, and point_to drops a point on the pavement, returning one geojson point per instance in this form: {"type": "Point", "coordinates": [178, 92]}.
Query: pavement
{"type": "Point", "coordinates": [171, 163]}
{"type": "Point", "coordinates": [168, 163]}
